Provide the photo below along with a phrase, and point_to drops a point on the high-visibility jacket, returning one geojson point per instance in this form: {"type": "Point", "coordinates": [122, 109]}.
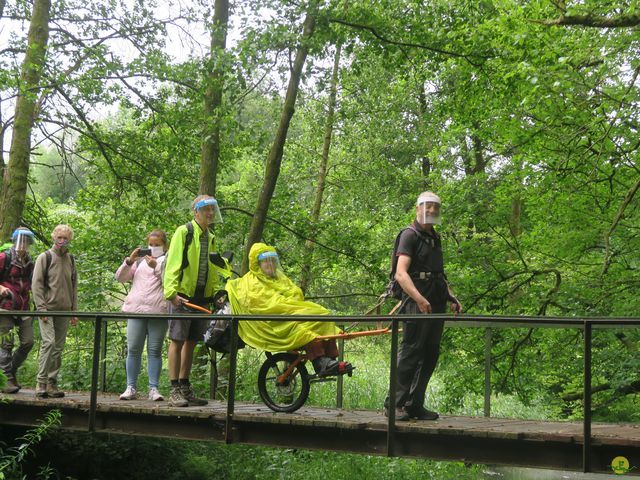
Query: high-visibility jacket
{"type": "Point", "coordinates": [183, 281]}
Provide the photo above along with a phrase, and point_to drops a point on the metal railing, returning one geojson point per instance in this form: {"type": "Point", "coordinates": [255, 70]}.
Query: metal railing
{"type": "Point", "coordinates": [586, 325]}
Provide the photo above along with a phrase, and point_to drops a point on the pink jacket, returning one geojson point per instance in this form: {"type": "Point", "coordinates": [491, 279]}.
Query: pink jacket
{"type": "Point", "coordinates": [146, 294]}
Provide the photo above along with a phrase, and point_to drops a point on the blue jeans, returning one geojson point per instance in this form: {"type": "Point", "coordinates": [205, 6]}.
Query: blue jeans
{"type": "Point", "coordinates": [137, 330]}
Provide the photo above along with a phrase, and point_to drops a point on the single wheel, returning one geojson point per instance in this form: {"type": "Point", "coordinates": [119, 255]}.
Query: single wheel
{"type": "Point", "coordinates": [289, 395]}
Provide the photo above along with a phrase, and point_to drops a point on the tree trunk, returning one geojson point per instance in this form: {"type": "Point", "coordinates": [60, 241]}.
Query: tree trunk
{"type": "Point", "coordinates": [515, 223]}
{"type": "Point", "coordinates": [16, 172]}
{"type": "Point", "coordinates": [210, 155]}
{"type": "Point", "coordinates": [305, 277]}
{"type": "Point", "coordinates": [2, 164]}
{"type": "Point", "coordinates": [425, 161]}
{"type": "Point", "coordinates": [275, 154]}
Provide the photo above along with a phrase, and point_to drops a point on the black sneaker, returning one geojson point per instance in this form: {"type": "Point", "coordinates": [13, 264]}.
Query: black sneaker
{"type": "Point", "coordinates": [189, 396]}
{"type": "Point", "coordinates": [424, 414]}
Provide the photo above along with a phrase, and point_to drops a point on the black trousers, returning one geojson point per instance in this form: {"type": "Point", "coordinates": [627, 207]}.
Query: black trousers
{"type": "Point", "coordinates": [417, 356]}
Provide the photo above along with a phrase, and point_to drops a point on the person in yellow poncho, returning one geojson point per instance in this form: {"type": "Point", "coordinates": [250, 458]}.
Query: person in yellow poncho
{"type": "Point", "coordinates": [266, 290]}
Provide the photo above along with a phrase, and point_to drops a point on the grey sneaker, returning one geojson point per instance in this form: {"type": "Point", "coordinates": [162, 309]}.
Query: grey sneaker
{"type": "Point", "coordinates": [187, 393]}
{"type": "Point", "coordinates": [176, 399]}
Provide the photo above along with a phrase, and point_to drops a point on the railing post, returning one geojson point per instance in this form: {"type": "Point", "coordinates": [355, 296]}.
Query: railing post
{"type": "Point", "coordinates": [233, 361]}
{"type": "Point", "coordinates": [213, 373]}
{"type": "Point", "coordinates": [340, 381]}
{"type": "Point", "coordinates": [103, 358]}
{"type": "Point", "coordinates": [487, 371]}
{"type": "Point", "coordinates": [93, 401]}
{"type": "Point", "coordinates": [393, 386]}
{"type": "Point", "coordinates": [586, 447]}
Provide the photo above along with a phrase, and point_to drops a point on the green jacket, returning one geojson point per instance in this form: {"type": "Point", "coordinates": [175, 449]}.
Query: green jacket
{"type": "Point", "coordinates": [185, 284]}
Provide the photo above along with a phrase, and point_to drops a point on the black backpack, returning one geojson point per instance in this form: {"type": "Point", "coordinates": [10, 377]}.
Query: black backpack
{"type": "Point", "coordinates": [7, 264]}
{"type": "Point", "coordinates": [215, 258]}
{"type": "Point", "coordinates": [218, 334]}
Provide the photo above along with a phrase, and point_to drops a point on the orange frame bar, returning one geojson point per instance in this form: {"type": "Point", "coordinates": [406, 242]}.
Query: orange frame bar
{"type": "Point", "coordinates": [348, 336]}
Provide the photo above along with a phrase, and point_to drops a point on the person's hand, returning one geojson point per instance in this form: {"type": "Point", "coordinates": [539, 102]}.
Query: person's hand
{"type": "Point", "coordinates": [133, 257]}
{"type": "Point", "coordinates": [152, 262]}
{"type": "Point", "coordinates": [4, 291]}
{"type": "Point", "coordinates": [74, 321]}
{"type": "Point", "coordinates": [44, 319]}
{"type": "Point", "coordinates": [177, 300]}
{"type": "Point", "coordinates": [423, 305]}
{"type": "Point", "coordinates": [456, 306]}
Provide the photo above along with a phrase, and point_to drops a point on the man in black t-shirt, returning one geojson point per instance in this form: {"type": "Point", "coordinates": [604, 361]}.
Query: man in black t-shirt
{"type": "Point", "coordinates": [420, 273]}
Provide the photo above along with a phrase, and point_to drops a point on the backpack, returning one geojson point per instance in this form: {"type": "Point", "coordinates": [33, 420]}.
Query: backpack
{"type": "Point", "coordinates": [215, 258]}
{"type": "Point", "coordinates": [393, 288]}
{"type": "Point", "coordinates": [187, 242]}
{"type": "Point", "coordinates": [6, 267]}
{"type": "Point", "coordinates": [218, 334]}
{"type": "Point", "coordinates": [6, 249]}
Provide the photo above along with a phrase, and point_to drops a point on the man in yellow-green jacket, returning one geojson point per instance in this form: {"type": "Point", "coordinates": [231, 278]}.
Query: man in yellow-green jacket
{"type": "Point", "coordinates": [190, 276]}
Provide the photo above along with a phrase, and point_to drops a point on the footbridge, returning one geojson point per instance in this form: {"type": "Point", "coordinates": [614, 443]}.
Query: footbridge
{"type": "Point", "coordinates": [569, 445]}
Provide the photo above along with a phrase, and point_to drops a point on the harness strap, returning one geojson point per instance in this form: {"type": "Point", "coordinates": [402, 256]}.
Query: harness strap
{"type": "Point", "coordinates": [426, 275]}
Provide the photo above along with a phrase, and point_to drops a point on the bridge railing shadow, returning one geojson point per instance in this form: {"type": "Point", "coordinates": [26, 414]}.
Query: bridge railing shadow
{"type": "Point", "coordinates": [488, 322]}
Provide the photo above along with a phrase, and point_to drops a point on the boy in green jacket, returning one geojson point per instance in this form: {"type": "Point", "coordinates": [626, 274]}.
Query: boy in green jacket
{"type": "Point", "coordinates": [190, 276]}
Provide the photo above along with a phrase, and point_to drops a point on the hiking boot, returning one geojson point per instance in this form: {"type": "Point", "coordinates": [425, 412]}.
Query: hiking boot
{"type": "Point", "coordinates": [176, 399]}
{"type": "Point", "coordinates": [155, 395]}
{"type": "Point", "coordinates": [423, 414]}
{"type": "Point", "coordinates": [129, 394]}
{"type": "Point", "coordinates": [401, 414]}
{"type": "Point", "coordinates": [334, 367]}
{"type": "Point", "coordinates": [187, 393]}
{"type": "Point", "coordinates": [41, 391]}
{"type": "Point", "coordinates": [11, 386]}
{"type": "Point", "coordinates": [53, 391]}
{"type": "Point", "coordinates": [15, 380]}
{"type": "Point", "coordinates": [320, 364]}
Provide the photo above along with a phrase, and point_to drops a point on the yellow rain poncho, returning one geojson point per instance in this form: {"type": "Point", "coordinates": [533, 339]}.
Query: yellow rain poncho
{"type": "Point", "coordinates": [256, 293]}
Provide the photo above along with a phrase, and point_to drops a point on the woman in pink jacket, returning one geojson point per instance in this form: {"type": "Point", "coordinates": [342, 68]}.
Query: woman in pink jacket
{"type": "Point", "coordinates": [145, 296]}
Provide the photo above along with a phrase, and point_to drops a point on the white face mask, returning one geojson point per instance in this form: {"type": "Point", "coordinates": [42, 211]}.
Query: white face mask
{"type": "Point", "coordinates": [156, 251]}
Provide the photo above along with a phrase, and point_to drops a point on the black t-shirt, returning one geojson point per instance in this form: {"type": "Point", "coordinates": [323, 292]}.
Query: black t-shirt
{"type": "Point", "coordinates": [425, 249]}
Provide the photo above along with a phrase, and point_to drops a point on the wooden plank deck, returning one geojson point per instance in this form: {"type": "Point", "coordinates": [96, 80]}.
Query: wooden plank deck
{"type": "Point", "coordinates": [471, 439]}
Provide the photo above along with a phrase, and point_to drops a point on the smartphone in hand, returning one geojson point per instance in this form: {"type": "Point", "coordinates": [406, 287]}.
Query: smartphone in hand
{"type": "Point", "coordinates": [143, 252]}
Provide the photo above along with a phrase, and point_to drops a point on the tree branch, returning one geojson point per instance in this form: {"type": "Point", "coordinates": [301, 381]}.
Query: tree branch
{"type": "Point", "coordinates": [430, 48]}
{"type": "Point", "coordinates": [304, 237]}
{"type": "Point", "coordinates": [594, 21]}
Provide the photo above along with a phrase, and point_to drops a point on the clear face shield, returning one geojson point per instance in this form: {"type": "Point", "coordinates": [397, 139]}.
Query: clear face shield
{"type": "Point", "coordinates": [210, 209]}
{"type": "Point", "coordinates": [22, 240]}
{"type": "Point", "coordinates": [428, 209]}
{"type": "Point", "coordinates": [269, 263]}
